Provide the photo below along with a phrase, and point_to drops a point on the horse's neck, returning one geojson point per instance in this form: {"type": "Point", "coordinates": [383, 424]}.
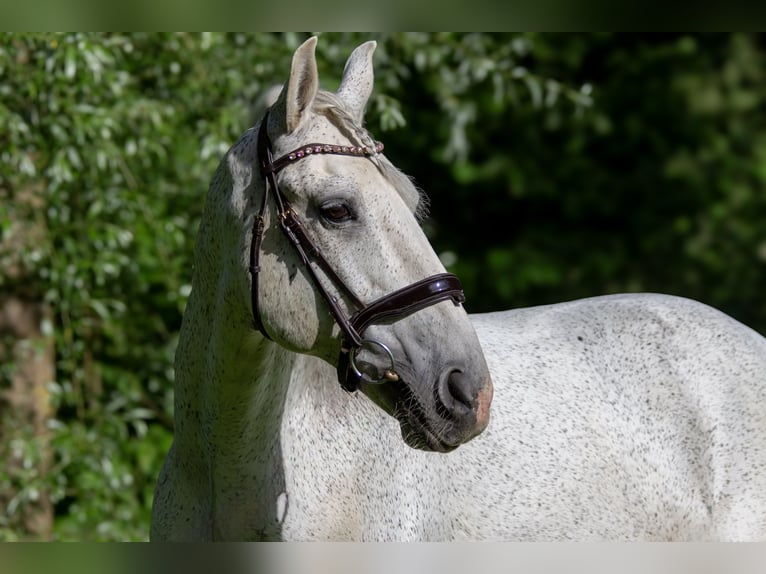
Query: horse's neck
{"type": "Point", "coordinates": [220, 360]}
{"type": "Point", "coordinates": [228, 379]}
{"type": "Point", "coordinates": [231, 386]}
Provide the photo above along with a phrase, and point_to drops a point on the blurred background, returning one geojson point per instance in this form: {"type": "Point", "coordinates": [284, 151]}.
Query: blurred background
{"type": "Point", "coordinates": [559, 166]}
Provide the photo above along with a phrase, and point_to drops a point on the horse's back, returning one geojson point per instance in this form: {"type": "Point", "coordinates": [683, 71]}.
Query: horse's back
{"type": "Point", "coordinates": [630, 416]}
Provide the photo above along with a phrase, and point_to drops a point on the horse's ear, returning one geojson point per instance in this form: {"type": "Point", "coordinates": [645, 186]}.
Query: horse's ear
{"type": "Point", "coordinates": [356, 84]}
{"type": "Point", "coordinates": [302, 86]}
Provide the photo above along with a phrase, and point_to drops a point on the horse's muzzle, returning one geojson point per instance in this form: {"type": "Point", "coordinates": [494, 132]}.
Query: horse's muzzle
{"type": "Point", "coordinates": [459, 412]}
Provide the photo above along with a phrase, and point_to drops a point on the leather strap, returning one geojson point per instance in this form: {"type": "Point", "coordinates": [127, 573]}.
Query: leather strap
{"type": "Point", "coordinates": [409, 299]}
{"type": "Point", "coordinates": [255, 267]}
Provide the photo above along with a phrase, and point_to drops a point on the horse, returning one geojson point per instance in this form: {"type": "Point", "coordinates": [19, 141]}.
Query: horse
{"type": "Point", "coordinates": [612, 418]}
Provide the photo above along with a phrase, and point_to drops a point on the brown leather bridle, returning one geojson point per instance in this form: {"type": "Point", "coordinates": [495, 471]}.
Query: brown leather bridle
{"type": "Point", "coordinates": [391, 307]}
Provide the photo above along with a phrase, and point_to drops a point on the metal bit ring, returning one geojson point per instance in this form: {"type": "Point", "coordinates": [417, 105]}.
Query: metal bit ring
{"type": "Point", "coordinates": [388, 375]}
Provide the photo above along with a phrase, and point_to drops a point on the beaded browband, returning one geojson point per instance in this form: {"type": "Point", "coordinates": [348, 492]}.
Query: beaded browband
{"type": "Point", "coordinates": [317, 148]}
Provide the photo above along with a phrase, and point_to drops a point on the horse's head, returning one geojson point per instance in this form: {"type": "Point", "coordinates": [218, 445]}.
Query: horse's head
{"type": "Point", "coordinates": [355, 217]}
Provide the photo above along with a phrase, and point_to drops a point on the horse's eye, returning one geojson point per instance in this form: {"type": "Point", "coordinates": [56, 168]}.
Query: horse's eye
{"type": "Point", "coordinates": [336, 212]}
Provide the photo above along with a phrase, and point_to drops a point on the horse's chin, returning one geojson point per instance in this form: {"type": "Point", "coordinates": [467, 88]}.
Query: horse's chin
{"type": "Point", "coordinates": [422, 438]}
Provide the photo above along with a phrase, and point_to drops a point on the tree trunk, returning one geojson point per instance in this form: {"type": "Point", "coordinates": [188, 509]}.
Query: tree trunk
{"type": "Point", "coordinates": [26, 409]}
{"type": "Point", "coordinates": [27, 366]}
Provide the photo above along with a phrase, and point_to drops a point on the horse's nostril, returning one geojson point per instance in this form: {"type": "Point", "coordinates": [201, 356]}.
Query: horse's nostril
{"type": "Point", "coordinates": [454, 393]}
{"type": "Point", "coordinates": [457, 387]}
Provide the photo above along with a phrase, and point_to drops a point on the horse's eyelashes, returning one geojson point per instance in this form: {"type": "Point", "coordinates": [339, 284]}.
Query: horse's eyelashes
{"type": "Point", "coordinates": [336, 212]}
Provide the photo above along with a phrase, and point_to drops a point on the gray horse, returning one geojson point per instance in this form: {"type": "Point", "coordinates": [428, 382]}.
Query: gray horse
{"type": "Point", "coordinates": [628, 417]}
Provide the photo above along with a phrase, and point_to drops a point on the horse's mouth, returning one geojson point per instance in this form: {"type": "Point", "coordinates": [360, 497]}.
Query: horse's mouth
{"type": "Point", "coordinates": [418, 429]}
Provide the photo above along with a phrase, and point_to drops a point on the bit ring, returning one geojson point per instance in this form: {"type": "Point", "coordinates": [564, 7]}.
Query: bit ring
{"type": "Point", "coordinates": [388, 375]}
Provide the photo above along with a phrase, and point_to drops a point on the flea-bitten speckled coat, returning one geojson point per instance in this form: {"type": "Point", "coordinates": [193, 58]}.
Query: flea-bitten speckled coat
{"type": "Point", "coordinates": [627, 417]}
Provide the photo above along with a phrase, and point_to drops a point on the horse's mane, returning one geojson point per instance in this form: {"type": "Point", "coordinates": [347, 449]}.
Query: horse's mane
{"type": "Point", "coordinates": [332, 107]}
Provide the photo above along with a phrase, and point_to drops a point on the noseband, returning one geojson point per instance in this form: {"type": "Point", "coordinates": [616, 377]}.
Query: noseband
{"type": "Point", "coordinates": [389, 308]}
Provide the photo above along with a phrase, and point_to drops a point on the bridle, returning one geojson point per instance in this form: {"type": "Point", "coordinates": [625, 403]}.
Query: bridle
{"type": "Point", "coordinates": [389, 308]}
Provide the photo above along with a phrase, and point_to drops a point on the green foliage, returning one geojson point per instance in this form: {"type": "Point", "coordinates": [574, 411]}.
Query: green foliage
{"type": "Point", "coordinates": [658, 186]}
{"type": "Point", "coordinates": [121, 133]}
{"type": "Point", "coordinates": [559, 166]}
